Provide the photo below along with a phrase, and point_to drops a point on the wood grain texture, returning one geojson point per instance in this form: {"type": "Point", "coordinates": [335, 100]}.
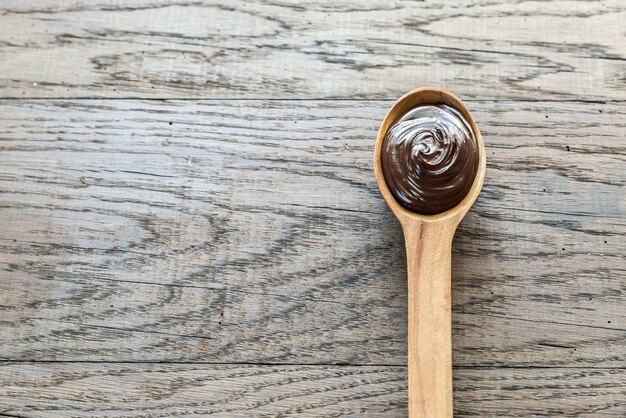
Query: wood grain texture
{"type": "Point", "coordinates": [429, 272]}
{"type": "Point", "coordinates": [140, 390]}
{"type": "Point", "coordinates": [253, 231]}
{"type": "Point", "coordinates": [314, 49]}
{"type": "Point", "coordinates": [147, 245]}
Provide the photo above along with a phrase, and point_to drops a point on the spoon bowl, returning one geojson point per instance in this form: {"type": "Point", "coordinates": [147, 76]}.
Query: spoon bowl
{"type": "Point", "coordinates": [428, 240]}
{"type": "Point", "coordinates": [412, 99]}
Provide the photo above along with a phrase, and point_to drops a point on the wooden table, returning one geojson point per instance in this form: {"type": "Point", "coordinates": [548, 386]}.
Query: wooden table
{"type": "Point", "coordinates": [190, 224]}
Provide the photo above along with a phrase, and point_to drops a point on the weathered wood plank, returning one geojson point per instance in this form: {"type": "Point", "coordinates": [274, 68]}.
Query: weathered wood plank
{"type": "Point", "coordinates": [294, 49]}
{"type": "Point", "coordinates": [253, 231]}
{"type": "Point", "coordinates": [149, 390]}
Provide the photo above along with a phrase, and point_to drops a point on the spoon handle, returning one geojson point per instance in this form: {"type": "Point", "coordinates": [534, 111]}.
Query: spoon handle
{"type": "Point", "coordinates": [428, 247]}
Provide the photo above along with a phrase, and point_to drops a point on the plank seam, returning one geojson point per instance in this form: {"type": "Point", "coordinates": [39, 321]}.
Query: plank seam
{"type": "Point", "coordinates": [5, 362]}
{"type": "Point", "coordinates": [313, 99]}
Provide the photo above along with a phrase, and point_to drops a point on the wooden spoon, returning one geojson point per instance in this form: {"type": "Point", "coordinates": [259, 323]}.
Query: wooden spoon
{"type": "Point", "coordinates": [428, 241]}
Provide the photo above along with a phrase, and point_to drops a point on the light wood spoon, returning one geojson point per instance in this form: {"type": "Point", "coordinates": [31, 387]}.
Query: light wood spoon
{"type": "Point", "coordinates": [428, 240]}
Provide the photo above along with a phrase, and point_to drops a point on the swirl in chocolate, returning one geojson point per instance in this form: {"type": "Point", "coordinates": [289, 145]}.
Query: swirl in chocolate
{"type": "Point", "coordinates": [430, 158]}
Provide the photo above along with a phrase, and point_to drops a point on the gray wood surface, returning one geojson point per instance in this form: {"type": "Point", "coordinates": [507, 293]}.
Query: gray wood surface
{"type": "Point", "coordinates": [166, 255]}
{"type": "Point", "coordinates": [253, 231]}
{"type": "Point", "coordinates": [312, 49]}
{"type": "Point", "coordinates": [140, 390]}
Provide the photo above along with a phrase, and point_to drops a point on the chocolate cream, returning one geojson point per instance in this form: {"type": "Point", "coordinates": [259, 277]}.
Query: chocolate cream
{"type": "Point", "coordinates": [430, 158]}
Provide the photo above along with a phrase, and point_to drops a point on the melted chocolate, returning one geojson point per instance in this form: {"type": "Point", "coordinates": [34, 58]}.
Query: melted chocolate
{"type": "Point", "coordinates": [430, 158]}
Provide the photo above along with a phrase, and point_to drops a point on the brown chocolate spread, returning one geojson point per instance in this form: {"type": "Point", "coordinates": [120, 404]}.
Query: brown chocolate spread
{"type": "Point", "coordinates": [430, 158]}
